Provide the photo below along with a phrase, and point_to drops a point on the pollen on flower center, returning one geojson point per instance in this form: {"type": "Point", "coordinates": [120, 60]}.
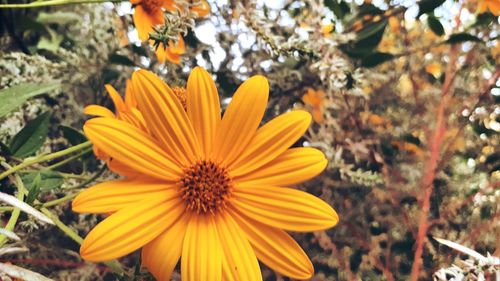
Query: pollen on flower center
{"type": "Point", "coordinates": [180, 93]}
{"type": "Point", "coordinates": [151, 6]}
{"type": "Point", "coordinates": [205, 187]}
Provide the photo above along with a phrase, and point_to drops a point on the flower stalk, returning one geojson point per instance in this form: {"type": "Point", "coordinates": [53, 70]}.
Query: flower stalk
{"type": "Point", "coordinates": [38, 4]}
{"type": "Point", "coordinates": [45, 157]}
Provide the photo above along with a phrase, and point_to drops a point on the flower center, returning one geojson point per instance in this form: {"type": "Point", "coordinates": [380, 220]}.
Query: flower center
{"type": "Point", "coordinates": [180, 93]}
{"type": "Point", "coordinates": [205, 186]}
{"type": "Point", "coordinates": [150, 6]}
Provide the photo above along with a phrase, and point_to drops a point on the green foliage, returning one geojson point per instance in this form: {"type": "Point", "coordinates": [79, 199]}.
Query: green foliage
{"type": "Point", "coordinates": [427, 6]}
{"type": "Point", "coordinates": [435, 25]}
{"type": "Point", "coordinates": [31, 137]}
{"type": "Point", "coordinates": [462, 37]}
{"type": "Point", "coordinates": [15, 96]}
{"type": "Point", "coordinates": [72, 135]}
{"type": "Point", "coordinates": [43, 180]}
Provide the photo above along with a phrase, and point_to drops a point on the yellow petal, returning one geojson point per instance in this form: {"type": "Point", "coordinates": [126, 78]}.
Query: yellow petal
{"type": "Point", "coordinates": [203, 107]}
{"type": "Point", "coordinates": [161, 255]}
{"type": "Point", "coordinates": [241, 119]}
{"type": "Point", "coordinates": [294, 166]}
{"type": "Point", "coordinates": [98, 110]}
{"type": "Point", "coordinates": [115, 96]}
{"type": "Point", "coordinates": [166, 118]}
{"type": "Point", "coordinates": [131, 228]}
{"type": "Point", "coordinates": [132, 146]}
{"type": "Point", "coordinates": [111, 196]}
{"type": "Point", "coordinates": [271, 140]}
{"type": "Point", "coordinates": [122, 169]}
{"type": "Point", "coordinates": [129, 95]}
{"type": "Point", "coordinates": [276, 248]}
{"type": "Point", "coordinates": [201, 251]}
{"type": "Point", "coordinates": [239, 260]}
{"type": "Point", "coordinates": [285, 208]}
{"type": "Point", "coordinates": [203, 9]}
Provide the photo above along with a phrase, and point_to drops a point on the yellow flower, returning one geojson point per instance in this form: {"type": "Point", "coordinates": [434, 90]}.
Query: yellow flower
{"type": "Point", "coordinates": [394, 24]}
{"type": "Point", "coordinates": [172, 53]}
{"type": "Point", "coordinates": [493, 6]}
{"type": "Point", "coordinates": [209, 191]}
{"type": "Point", "coordinates": [126, 110]}
{"type": "Point", "coordinates": [315, 100]}
{"type": "Point", "coordinates": [327, 29]}
{"type": "Point", "coordinates": [434, 69]}
{"type": "Point", "coordinates": [202, 8]}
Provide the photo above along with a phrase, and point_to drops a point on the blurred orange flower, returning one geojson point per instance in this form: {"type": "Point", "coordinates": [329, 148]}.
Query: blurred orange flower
{"type": "Point", "coordinates": [434, 69]}
{"type": "Point", "coordinates": [172, 52]}
{"type": "Point", "coordinates": [148, 13]}
{"type": "Point", "coordinates": [327, 29]}
{"type": "Point", "coordinates": [493, 6]}
{"type": "Point", "coordinates": [315, 100]}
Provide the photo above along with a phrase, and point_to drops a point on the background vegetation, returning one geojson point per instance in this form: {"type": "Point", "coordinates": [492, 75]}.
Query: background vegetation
{"type": "Point", "coordinates": [405, 98]}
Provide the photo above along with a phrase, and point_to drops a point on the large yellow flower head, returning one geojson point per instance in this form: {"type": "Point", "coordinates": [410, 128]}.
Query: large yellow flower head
{"type": "Point", "coordinates": [208, 191]}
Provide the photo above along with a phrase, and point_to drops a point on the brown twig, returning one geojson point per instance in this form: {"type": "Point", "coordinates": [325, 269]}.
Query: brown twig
{"type": "Point", "coordinates": [435, 145]}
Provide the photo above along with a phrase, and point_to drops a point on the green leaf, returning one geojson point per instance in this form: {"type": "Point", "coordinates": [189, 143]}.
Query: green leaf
{"type": "Point", "coordinates": [435, 25]}
{"type": "Point", "coordinates": [339, 9]}
{"type": "Point", "coordinates": [4, 149]}
{"type": "Point", "coordinates": [72, 135]}
{"type": "Point", "coordinates": [376, 59]}
{"type": "Point", "coordinates": [50, 44]}
{"type": "Point", "coordinates": [121, 60]}
{"type": "Point", "coordinates": [461, 37]}
{"type": "Point", "coordinates": [33, 189]}
{"type": "Point", "coordinates": [372, 30]}
{"type": "Point", "coordinates": [427, 6]}
{"type": "Point", "coordinates": [58, 17]}
{"type": "Point", "coordinates": [48, 180]}
{"type": "Point", "coordinates": [484, 19]}
{"type": "Point", "coordinates": [15, 96]}
{"type": "Point", "coordinates": [31, 137]}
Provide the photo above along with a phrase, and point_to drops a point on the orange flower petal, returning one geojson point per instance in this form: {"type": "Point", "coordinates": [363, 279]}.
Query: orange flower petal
{"type": "Point", "coordinates": [203, 107]}
{"type": "Point", "coordinates": [201, 251]}
{"type": "Point", "coordinates": [271, 140]}
{"type": "Point", "coordinates": [161, 255]}
{"type": "Point", "coordinates": [166, 118]}
{"type": "Point", "coordinates": [203, 9]}
{"type": "Point", "coordinates": [132, 146]}
{"type": "Point", "coordinates": [284, 208]}
{"type": "Point", "coordinates": [276, 248]}
{"type": "Point", "coordinates": [239, 260]}
{"type": "Point", "coordinates": [130, 101]}
{"type": "Point", "coordinates": [163, 54]}
{"type": "Point", "coordinates": [98, 110]}
{"type": "Point", "coordinates": [115, 96]}
{"type": "Point", "coordinates": [131, 228]}
{"type": "Point", "coordinates": [121, 168]}
{"type": "Point", "coordinates": [294, 166]}
{"type": "Point", "coordinates": [144, 22]}
{"type": "Point", "coordinates": [111, 196]}
{"type": "Point", "coordinates": [169, 5]}
{"type": "Point", "coordinates": [241, 119]}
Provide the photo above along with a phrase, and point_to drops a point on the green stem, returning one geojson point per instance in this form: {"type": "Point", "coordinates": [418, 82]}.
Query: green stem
{"type": "Point", "coordinates": [59, 201]}
{"type": "Point", "coordinates": [46, 157]}
{"type": "Point", "coordinates": [114, 265]}
{"type": "Point", "coordinates": [38, 4]}
{"type": "Point", "coordinates": [68, 231]}
{"type": "Point", "coordinates": [67, 160]}
{"type": "Point", "coordinates": [16, 212]}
